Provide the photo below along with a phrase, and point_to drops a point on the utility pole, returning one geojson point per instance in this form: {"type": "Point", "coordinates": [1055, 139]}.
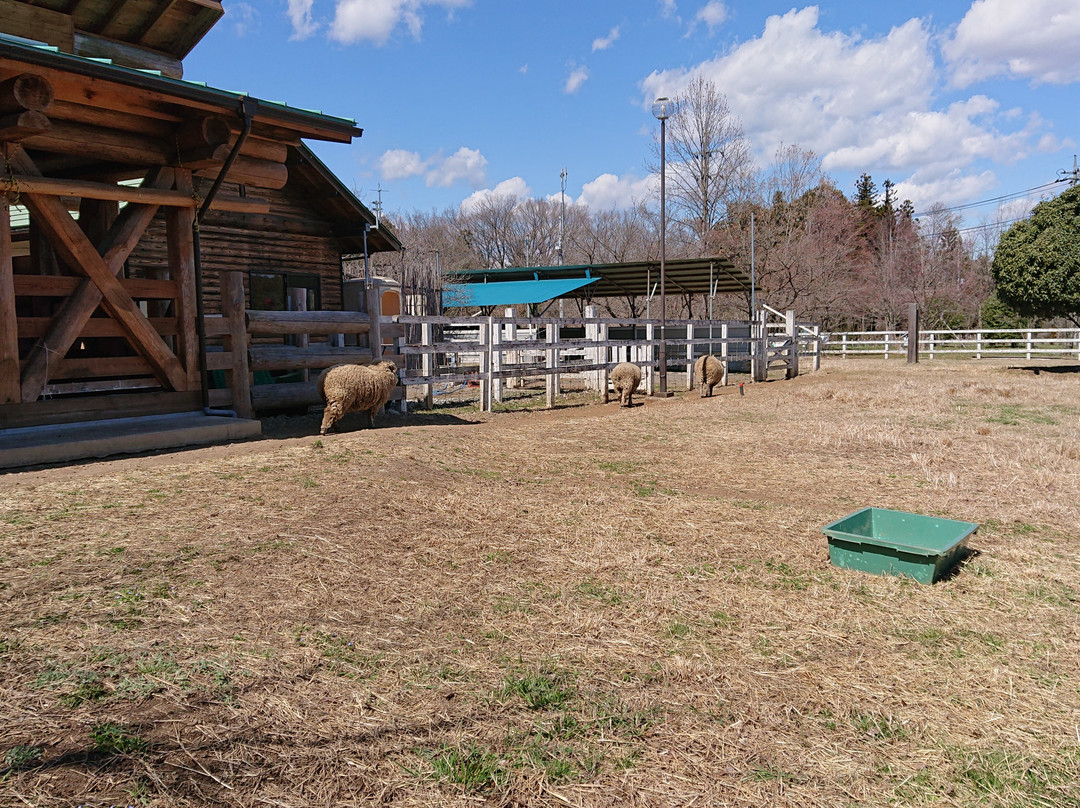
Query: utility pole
{"type": "Point", "coordinates": [1071, 177]}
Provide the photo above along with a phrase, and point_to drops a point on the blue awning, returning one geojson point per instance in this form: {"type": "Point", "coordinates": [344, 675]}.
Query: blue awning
{"type": "Point", "coordinates": [509, 293]}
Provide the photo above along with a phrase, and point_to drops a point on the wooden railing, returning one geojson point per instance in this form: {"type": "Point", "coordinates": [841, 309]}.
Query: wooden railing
{"type": "Point", "coordinates": [492, 350]}
{"type": "Point", "coordinates": [980, 343]}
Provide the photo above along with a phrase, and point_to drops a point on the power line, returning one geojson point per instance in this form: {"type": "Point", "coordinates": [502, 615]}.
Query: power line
{"type": "Point", "coordinates": [1002, 198]}
{"type": "Point", "coordinates": [973, 227]}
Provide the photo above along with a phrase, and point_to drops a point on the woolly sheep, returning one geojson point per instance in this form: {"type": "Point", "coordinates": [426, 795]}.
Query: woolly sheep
{"type": "Point", "coordinates": [710, 372]}
{"type": "Point", "coordinates": [625, 378]}
{"type": "Point", "coordinates": [354, 388]}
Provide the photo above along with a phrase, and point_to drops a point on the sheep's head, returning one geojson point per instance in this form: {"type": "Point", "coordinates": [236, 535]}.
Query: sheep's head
{"type": "Point", "coordinates": [389, 366]}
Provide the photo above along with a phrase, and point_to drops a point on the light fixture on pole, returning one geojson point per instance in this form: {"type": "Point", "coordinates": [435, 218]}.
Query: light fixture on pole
{"type": "Point", "coordinates": [662, 109]}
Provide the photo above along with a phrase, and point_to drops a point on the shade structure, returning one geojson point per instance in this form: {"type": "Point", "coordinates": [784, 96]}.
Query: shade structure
{"type": "Point", "coordinates": [699, 276]}
{"type": "Point", "coordinates": [510, 293]}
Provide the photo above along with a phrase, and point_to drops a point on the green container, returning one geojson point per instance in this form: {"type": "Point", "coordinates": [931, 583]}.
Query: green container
{"type": "Point", "coordinates": [888, 542]}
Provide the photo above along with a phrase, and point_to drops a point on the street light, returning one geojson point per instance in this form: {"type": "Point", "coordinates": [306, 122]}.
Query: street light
{"type": "Point", "coordinates": [662, 109]}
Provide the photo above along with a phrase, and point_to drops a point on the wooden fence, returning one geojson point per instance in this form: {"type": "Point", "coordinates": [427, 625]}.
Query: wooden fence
{"type": "Point", "coordinates": [1026, 343]}
{"type": "Point", "coordinates": [493, 352]}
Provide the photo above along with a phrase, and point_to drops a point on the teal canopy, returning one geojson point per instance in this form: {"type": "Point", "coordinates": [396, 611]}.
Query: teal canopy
{"type": "Point", "coordinates": [509, 293]}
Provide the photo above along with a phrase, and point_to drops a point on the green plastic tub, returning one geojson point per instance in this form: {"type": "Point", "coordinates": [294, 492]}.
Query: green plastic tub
{"type": "Point", "coordinates": [888, 542]}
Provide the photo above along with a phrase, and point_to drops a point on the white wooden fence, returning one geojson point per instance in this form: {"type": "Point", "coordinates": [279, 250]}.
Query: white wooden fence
{"type": "Point", "coordinates": [1026, 343]}
{"type": "Point", "coordinates": [496, 352]}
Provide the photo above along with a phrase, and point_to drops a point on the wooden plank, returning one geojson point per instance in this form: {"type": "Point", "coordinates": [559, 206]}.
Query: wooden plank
{"type": "Point", "coordinates": [95, 327]}
{"type": "Point", "coordinates": [308, 322]}
{"type": "Point", "coordinates": [77, 251]}
{"type": "Point", "coordinates": [96, 190]}
{"type": "Point", "coordinates": [9, 330]}
{"type": "Point", "coordinates": [219, 360]}
{"type": "Point", "coordinates": [252, 171]}
{"type": "Point", "coordinates": [98, 367]}
{"type": "Point", "coordinates": [180, 249]}
{"type": "Point", "coordinates": [96, 408]}
{"type": "Point", "coordinates": [64, 285]}
{"type": "Point", "coordinates": [291, 357]}
{"type": "Point", "coordinates": [23, 125]}
{"type": "Point", "coordinates": [214, 325]}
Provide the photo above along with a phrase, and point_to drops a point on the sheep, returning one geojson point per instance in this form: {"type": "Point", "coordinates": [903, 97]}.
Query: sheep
{"type": "Point", "coordinates": [625, 378]}
{"type": "Point", "coordinates": [710, 372]}
{"type": "Point", "coordinates": [352, 388]}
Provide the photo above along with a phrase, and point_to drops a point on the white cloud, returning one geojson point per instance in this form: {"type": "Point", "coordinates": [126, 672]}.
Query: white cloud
{"type": "Point", "coordinates": [1034, 40]}
{"type": "Point", "coordinates": [605, 42]}
{"type": "Point", "coordinates": [244, 17]}
{"type": "Point", "coordinates": [950, 188]}
{"type": "Point", "coordinates": [610, 191]}
{"type": "Point", "coordinates": [864, 104]}
{"type": "Point", "coordinates": [398, 164]}
{"type": "Point", "coordinates": [300, 16]}
{"type": "Point", "coordinates": [713, 14]}
{"type": "Point", "coordinates": [577, 77]}
{"type": "Point", "coordinates": [667, 8]}
{"type": "Point", "coordinates": [376, 20]}
{"type": "Point", "coordinates": [465, 166]}
{"type": "Point", "coordinates": [523, 69]}
{"type": "Point", "coordinates": [515, 187]}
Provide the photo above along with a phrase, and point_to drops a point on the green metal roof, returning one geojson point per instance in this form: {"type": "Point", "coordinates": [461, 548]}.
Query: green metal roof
{"type": "Point", "coordinates": [39, 53]}
{"type": "Point", "coordinates": [716, 275]}
{"type": "Point", "coordinates": [509, 293]}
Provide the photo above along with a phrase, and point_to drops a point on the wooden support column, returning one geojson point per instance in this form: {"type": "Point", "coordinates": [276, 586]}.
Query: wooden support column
{"type": "Point", "coordinates": [234, 307]}
{"type": "Point", "coordinates": [180, 240]}
{"type": "Point", "coordinates": [725, 353]}
{"type": "Point", "coordinates": [791, 329]}
{"type": "Point", "coordinates": [495, 365]}
{"type": "Point", "coordinates": [9, 329]}
{"type": "Point", "coordinates": [373, 301]}
{"type": "Point", "coordinates": [427, 364]}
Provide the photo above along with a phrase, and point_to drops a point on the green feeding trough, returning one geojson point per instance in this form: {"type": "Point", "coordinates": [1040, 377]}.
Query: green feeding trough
{"type": "Point", "coordinates": [888, 542]}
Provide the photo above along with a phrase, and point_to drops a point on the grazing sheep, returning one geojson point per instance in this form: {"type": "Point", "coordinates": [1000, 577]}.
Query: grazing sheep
{"type": "Point", "coordinates": [710, 372]}
{"type": "Point", "coordinates": [625, 378]}
{"type": "Point", "coordinates": [352, 388]}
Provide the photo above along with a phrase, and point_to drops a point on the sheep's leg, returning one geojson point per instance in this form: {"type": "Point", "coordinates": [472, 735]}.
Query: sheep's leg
{"type": "Point", "coordinates": [331, 414]}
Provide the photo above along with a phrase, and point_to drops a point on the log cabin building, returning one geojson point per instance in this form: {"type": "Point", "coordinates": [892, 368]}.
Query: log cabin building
{"type": "Point", "coordinates": [125, 190]}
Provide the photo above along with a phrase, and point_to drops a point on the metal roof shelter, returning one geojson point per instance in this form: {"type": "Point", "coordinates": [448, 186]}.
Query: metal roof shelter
{"type": "Point", "coordinates": [700, 276]}
{"type": "Point", "coordinates": [510, 293]}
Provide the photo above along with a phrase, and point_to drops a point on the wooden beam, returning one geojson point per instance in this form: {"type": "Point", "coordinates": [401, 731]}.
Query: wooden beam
{"type": "Point", "coordinates": [27, 91]}
{"type": "Point", "coordinates": [9, 327]}
{"type": "Point", "coordinates": [127, 55]}
{"type": "Point", "coordinates": [180, 246]}
{"type": "Point", "coordinates": [250, 171]}
{"type": "Point", "coordinates": [84, 189]}
{"type": "Point", "coordinates": [40, 24]}
{"type": "Point", "coordinates": [22, 125]}
{"type": "Point", "coordinates": [65, 285]}
{"type": "Point", "coordinates": [102, 143]}
{"type": "Point", "coordinates": [95, 327]}
{"type": "Point", "coordinates": [234, 305]}
{"type": "Point", "coordinates": [100, 269]}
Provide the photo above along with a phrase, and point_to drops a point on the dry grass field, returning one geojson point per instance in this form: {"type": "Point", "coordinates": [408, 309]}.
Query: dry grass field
{"type": "Point", "coordinates": [583, 607]}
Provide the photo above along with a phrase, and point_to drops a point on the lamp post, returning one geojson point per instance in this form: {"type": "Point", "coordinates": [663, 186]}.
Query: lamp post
{"type": "Point", "coordinates": [661, 110]}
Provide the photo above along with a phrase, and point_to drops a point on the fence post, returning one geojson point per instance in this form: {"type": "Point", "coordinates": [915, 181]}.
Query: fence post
{"type": "Point", "coordinates": [485, 364]}
{"type": "Point", "coordinates": [1078, 343]}
{"type": "Point", "coordinates": [930, 335]}
{"type": "Point", "coordinates": [978, 344]}
{"type": "Point", "coordinates": [373, 303]}
{"type": "Point", "coordinates": [724, 353]}
{"type": "Point", "coordinates": [552, 363]}
{"type": "Point", "coordinates": [233, 307]}
{"type": "Point", "coordinates": [886, 333]}
{"type": "Point", "coordinates": [913, 333]}
{"type": "Point", "coordinates": [1027, 336]}
{"type": "Point", "coordinates": [792, 332]}
{"type": "Point", "coordinates": [843, 346]}
{"type": "Point", "coordinates": [514, 356]}
{"type": "Point", "coordinates": [399, 343]}
{"type": "Point", "coordinates": [592, 333]}
{"type": "Point", "coordinates": [817, 347]}
{"type": "Point", "coordinates": [690, 356]}
{"type": "Point", "coordinates": [495, 365]}
{"type": "Point", "coordinates": [604, 357]}
{"type": "Point", "coordinates": [427, 364]}
{"type": "Point", "coordinates": [650, 332]}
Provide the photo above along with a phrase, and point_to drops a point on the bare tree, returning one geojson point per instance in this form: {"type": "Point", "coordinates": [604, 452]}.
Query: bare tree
{"type": "Point", "coordinates": [709, 162]}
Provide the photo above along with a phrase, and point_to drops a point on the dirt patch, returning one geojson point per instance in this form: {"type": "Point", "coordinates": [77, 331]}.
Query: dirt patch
{"type": "Point", "coordinates": [588, 606]}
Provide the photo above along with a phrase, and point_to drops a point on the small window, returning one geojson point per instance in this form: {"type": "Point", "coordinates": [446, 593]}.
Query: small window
{"type": "Point", "coordinates": [270, 290]}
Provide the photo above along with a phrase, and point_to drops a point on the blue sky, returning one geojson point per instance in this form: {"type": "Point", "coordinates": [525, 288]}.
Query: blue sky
{"type": "Point", "coordinates": [955, 101]}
